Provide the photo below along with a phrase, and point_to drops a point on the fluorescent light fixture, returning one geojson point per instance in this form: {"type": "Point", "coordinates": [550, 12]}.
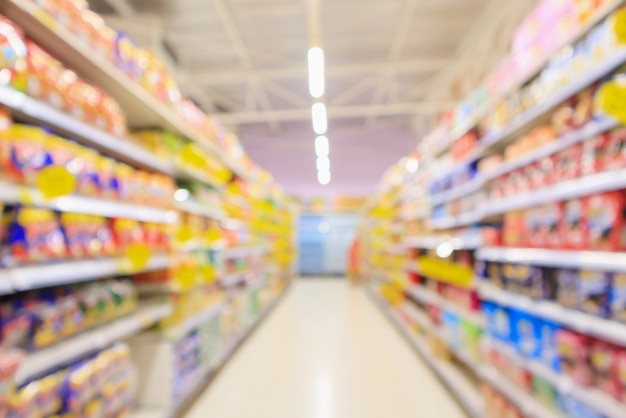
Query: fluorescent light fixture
{"type": "Point", "coordinates": [320, 121]}
{"type": "Point", "coordinates": [316, 72]}
{"type": "Point", "coordinates": [412, 165]}
{"type": "Point", "coordinates": [445, 249]}
{"type": "Point", "coordinates": [181, 195]}
{"type": "Point", "coordinates": [323, 164]}
{"type": "Point", "coordinates": [322, 148]}
{"type": "Point", "coordinates": [323, 177]}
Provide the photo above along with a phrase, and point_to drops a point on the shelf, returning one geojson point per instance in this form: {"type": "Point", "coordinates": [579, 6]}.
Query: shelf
{"type": "Point", "coordinates": [593, 398]}
{"type": "Point", "coordinates": [474, 186]}
{"type": "Point", "coordinates": [465, 391]}
{"type": "Point", "coordinates": [590, 130]}
{"type": "Point", "coordinates": [450, 222]}
{"type": "Point", "coordinates": [88, 342]}
{"type": "Point", "coordinates": [429, 297]}
{"type": "Point", "coordinates": [529, 405]}
{"type": "Point", "coordinates": [234, 279]}
{"type": "Point", "coordinates": [432, 242]}
{"type": "Point", "coordinates": [588, 78]}
{"type": "Point", "coordinates": [177, 332]}
{"type": "Point", "coordinates": [207, 375]}
{"type": "Point", "coordinates": [39, 112]}
{"type": "Point", "coordinates": [571, 189]}
{"type": "Point", "coordinates": [515, 127]}
{"type": "Point", "coordinates": [584, 323]}
{"type": "Point", "coordinates": [14, 194]}
{"type": "Point", "coordinates": [69, 272]}
{"type": "Point", "coordinates": [591, 260]}
{"type": "Point", "coordinates": [196, 208]}
{"type": "Point", "coordinates": [138, 104]}
{"type": "Point", "coordinates": [242, 252]}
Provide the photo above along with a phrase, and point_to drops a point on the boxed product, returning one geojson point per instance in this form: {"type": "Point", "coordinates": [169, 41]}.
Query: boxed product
{"type": "Point", "coordinates": [535, 282]}
{"type": "Point", "coordinates": [567, 288]}
{"type": "Point", "coordinates": [594, 292]}
{"type": "Point", "coordinates": [574, 352]}
{"type": "Point", "coordinates": [615, 153]}
{"type": "Point", "coordinates": [618, 297]}
{"type": "Point", "coordinates": [573, 226]}
{"type": "Point", "coordinates": [567, 163]}
{"type": "Point", "coordinates": [552, 214]}
{"type": "Point", "coordinates": [526, 334]}
{"type": "Point", "coordinates": [605, 221]}
{"type": "Point", "coordinates": [549, 352]}
{"type": "Point", "coordinates": [604, 363]}
{"type": "Point", "coordinates": [498, 321]}
{"type": "Point", "coordinates": [595, 154]}
{"type": "Point", "coordinates": [533, 232]}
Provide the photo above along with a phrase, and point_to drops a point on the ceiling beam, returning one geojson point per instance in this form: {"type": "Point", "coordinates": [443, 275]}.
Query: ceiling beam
{"type": "Point", "coordinates": [236, 38]}
{"type": "Point", "coordinates": [342, 70]}
{"type": "Point", "coordinates": [336, 112]}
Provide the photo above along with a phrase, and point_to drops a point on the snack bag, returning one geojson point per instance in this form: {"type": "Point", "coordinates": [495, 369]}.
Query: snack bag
{"type": "Point", "coordinates": [604, 362]}
{"type": "Point", "coordinates": [76, 236]}
{"type": "Point", "coordinates": [106, 180]}
{"type": "Point", "coordinates": [28, 153]}
{"type": "Point", "coordinates": [12, 54]}
{"type": "Point", "coordinates": [126, 232]}
{"type": "Point", "coordinates": [87, 183]}
{"type": "Point", "coordinates": [574, 352]}
{"type": "Point", "coordinates": [34, 236]}
{"type": "Point", "coordinates": [76, 390]}
{"type": "Point", "coordinates": [9, 362]}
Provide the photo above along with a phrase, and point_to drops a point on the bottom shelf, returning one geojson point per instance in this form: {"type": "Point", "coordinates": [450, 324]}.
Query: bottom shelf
{"type": "Point", "coordinates": [463, 389]}
{"type": "Point", "coordinates": [209, 373]}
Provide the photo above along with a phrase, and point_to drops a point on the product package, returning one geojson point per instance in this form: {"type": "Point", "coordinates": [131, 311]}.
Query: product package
{"type": "Point", "coordinates": [594, 292]}
{"type": "Point", "coordinates": [574, 351]}
{"type": "Point", "coordinates": [605, 221]}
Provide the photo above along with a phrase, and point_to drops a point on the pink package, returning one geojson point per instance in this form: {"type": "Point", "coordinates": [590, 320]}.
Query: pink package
{"type": "Point", "coordinates": [574, 352]}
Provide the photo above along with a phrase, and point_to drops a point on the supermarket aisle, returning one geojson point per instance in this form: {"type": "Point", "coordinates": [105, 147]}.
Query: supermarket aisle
{"type": "Point", "coordinates": [325, 352]}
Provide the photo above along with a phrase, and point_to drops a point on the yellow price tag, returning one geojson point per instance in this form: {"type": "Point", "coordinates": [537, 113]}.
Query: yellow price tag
{"type": "Point", "coordinates": [184, 234]}
{"type": "Point", "coordinates": [193, 156]}
{"type": "Point", "coordinates": [55, 181]}
{"type": "Point", "coordinates": [186, 277]}
{"type": "Point", "coordinates": [612, 100]}
{"type": "Point", "coordinates": [138, 255]}
{"type": "Point", "coordinates": [619, 26]}
{"type": "Point", "coordinates": [213, 234]}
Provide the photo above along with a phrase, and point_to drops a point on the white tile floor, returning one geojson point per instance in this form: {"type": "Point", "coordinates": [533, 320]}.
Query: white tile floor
{"type": "Point", "coordinates": [325, 352]}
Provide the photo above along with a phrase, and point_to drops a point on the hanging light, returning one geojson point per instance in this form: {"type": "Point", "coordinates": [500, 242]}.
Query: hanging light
{"type": "Point", "coordinates": [323, 164]}
{"type": "Point", "coordinates": [322, 147]}
{"type": "Point", "coordinates": [320, 121]}
{"type": "Point", "coordinates": [317, 84]}
{"type": "Point", "coordinates": [323, 177]}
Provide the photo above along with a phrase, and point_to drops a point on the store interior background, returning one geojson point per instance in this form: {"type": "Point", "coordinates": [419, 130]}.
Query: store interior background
{"type": "Point", "coordinates": [391, 68]}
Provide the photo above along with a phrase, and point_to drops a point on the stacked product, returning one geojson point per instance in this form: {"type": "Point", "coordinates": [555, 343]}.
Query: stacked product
{"type": "Point", "coordinates": [518, 275]}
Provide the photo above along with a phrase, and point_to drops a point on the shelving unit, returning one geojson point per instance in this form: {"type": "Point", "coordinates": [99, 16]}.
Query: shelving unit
{"type": "Point", "coordinates": [593, 398]}
{"type": "Point", "coordinates": [14, 194]}
{"type": "Point", "coordinates": [20, 279]}
{"type": "Point", "coordinates": [426, 296]}
{"type": "Point", "coordinates": [88, 342]}
{"type": "Point", "coordinates": [465, 392]}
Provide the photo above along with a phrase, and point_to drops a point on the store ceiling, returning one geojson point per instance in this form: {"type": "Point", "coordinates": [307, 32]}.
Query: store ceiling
{"type": "Point", "coordinates": [391, 66]}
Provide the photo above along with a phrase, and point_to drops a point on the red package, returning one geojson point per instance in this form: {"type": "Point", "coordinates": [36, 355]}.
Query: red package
{"type": "Point", "coordinates": [549, 231]}
{"type": "Point", "coordinates": [615, 155]}
{"type": "Point", "coordinates": [574, 232]}
{"type": "Point", "coordinates": [574, 351]}
{"type": "Point", "coordinates": [513, 232]}
{"type": "Point", "coordinates": [567, 163]}
{"type": "Point", "coordinates": [621, 372]}
{"type": "Point", "coordinates": [126, 232]}
{"type": "Point", "coordinates": [604, 363]}
{"type": "Point", "coordinates": [605, 221]}
{"type": "Point", "coordinates": [543, 176]}
{"type": "Point", "coordinates": [533, 236]}
{"type": "Point", "coordinates": [595, 154]}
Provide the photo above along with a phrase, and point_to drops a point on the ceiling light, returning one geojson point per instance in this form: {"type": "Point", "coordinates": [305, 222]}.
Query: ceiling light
{"type": "Point", "coordinates": [323, 177]}
{"type": "Point", "coordinates": [320, 121]}
{"type": "Point", "coordinates": [323, 164]}
{"type": "Point", "coordinates": [316, 72]}
{"type": "Point", "coordinates": [322, 148]}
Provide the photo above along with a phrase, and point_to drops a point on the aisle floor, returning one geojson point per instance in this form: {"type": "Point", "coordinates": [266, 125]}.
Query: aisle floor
{"type": "Point", "coordinates": [325, 352]}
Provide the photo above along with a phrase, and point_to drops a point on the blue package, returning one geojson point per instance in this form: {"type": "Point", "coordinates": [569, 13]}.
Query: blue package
{"type": "Point", "coordinates": [498, 322]}
{"type": "Point", "coordinates": [452, 324]}
{"type": "Point", "coordinates": [573, 408]}
{"type": "Point", "coordinates": [548, 350]}
{"type": "Point", "coordinates": [526, 334]}
{"type": "Point", "coordinates": [618, 297]}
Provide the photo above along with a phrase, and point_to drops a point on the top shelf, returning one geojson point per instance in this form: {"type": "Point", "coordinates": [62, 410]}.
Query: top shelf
{"type": "Point", "coordinates": [140, 107]}
{"type": "Point", "coordinates": [601, 14]}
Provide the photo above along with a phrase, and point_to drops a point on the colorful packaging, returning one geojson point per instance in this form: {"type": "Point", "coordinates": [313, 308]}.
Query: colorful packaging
{"type": "Point", "coordinates": [34, 236]}
{"type": "Point", "coordinates": [567, 288]}
{"type": "Point", "coordinates": [552, 215]}
{"type": "Point", "coordinates": [28, 153]}
{"type": "Point", "coordinates": [574, 351]}
{"type": "Point", "coordinates": [594, 292]}
{"type": "Point", "coordinates": [595, 154]}
{"type": "Point", "coordinates": [573, 227]}
{"type": "Point", "coordinates": [567, 165]}
{"type": "Point", "coordinates": [605, 221]}
{"type": "Point", "coordinates": [549, 352]}
{"type": "Point", "coordinates": [126, 232]}
{"type": "Point", "coordinates": [618, 297]}
{"type": "Point", "coordinates": [498, 322]}
{"type": "Point", "coordinates": [615, 154]}
{"type": "Point", "coordinates": [604, 362]}
{"type": "Point", "coordinates": [526, 334]}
